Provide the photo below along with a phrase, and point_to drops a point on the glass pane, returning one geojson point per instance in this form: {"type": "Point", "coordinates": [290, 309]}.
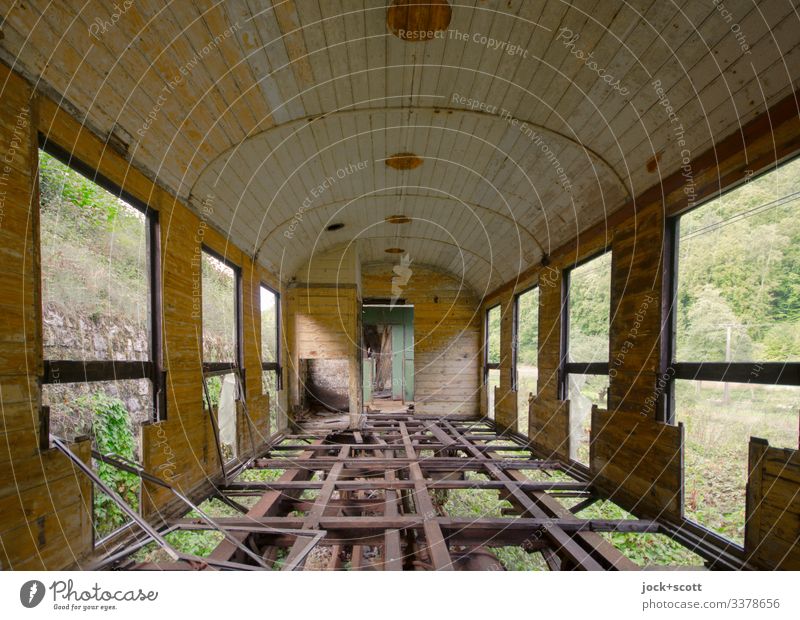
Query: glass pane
{"type": "Point", "coordinates": [223, 391]}
{"type": "Point", "coordinates": [219, 311]}
{"type": "Point", "coordinates": [527, 353]}
{"type": "Point", "coordinates": [583, 392]}
{"type": "Point", "coordinates": [269, 385]}
{"type": "Point", "coordinates": [589, 310]}
{"type": "Point", "coordinates": [493, 336]}
{"type": "Point", "coordinates": [739, 273]}
{"type": "Point", "coordinates": [719, 420]}
{"type": "Point", "coordinates": [95, 284]}
{"type": "Point", "coordinates": [111, 412]}
{"type": "Point", "coordinates": [269, 327]}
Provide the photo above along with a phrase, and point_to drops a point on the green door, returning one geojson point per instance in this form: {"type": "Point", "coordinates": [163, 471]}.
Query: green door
{"type": "Point", "coordinates": [397, 362]}
{"type": "Point", "coordinates": [408, 354]}
{"type": "Point", "coordinates": [401, 320]}
{"type": "Point", "coordinates": [368, 374]}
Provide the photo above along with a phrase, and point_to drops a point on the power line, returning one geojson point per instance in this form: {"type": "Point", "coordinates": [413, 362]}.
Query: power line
{"type": "Point", "coordinates": [744, 214]}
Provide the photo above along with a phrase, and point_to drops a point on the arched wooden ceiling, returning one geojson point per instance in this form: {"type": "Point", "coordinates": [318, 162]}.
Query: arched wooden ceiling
{"type": "Point", "coordinates": [257, 103]}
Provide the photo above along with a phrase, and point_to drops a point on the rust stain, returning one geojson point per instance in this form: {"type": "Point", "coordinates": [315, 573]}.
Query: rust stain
{"type": "Point", "coordinates": [394, 250]}
{"type": "Point", "coordinates": [413, 20]}
{"type": "Point", "coordinates": [652, 163]}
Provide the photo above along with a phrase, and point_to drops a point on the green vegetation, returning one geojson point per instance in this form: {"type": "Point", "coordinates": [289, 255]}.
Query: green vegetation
{"type": "Point", "coordinates": [480, 503]}
{"type": "Point", "coordinates": [108, 422]}
{"type": "Point", "coordinates": [527, 353]}
{"type": "Point", "coordinates": [589, 310]}
{"type": "Point", "coordinates": [113, 434]}
{"type": "Point", "coordinates": [269, 385]}
{"type": "Point", "coordinates": [214, 385]}
{"type": "Point", "coordinates": [269, 344]}
{"type": "Point", "coordinates": [94, 259]}
{"type": "Point", "coordinates": [528, 328]}
{"type": "Point", "coordinates": [643, 549]}
{"type": "Point", "coordinates": [495, 316]}
{"type": "Point", "coordinates": [738, 300]}
{"type": "Point", "coordinates": [195, 542]}
{"type": "Point", "coordinates": [717, 437]}
{"type": "Point", "coordinates": [739, 273]}
{"type": "Point", "coordinates": [269, 353]}
{"type": "Point", "coordinates": [219, 310]}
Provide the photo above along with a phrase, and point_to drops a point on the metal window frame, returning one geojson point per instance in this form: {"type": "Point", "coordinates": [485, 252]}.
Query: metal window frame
{"type": "Point", "coordinates": [755, 372]}
{"type": "Point", "coordinates": [78, 371]}
{"type": "Point", "coordinates": [566, 367]}
{"type": "Point", "coordinates": [515, 334]}
{"type": "Point", "coordinates": [217, 368]}
{"type": "Point", "coordinates": [276, 365]}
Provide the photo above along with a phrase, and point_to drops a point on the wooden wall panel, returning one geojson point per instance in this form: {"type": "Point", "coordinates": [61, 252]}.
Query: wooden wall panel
{"type": "Point", "coordinates": [635, 328]}
{"type": "Point", "coordinates": [548, 427]}
{"type": "Point", "coordinates": [45, 516]}
{"type": "Point", "coordinates": [632, 456]}
{"type": "Point", "coordinates": [43, 502]}
{"type": "Point", "coordinates": [644, 475]}
{"type": "Point", "coordinates": [447, 333]}
{"type": "Point", "coordinates": [772, 527]}
{"type": "Point", "coordinates": [323, 323]}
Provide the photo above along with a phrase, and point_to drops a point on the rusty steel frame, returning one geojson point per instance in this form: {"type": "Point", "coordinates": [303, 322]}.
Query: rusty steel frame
{"type": "Point", "coordinates": [370, 496]}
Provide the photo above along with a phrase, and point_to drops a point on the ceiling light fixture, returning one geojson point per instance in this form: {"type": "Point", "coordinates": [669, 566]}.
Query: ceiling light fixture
{"type": "Point", "coordinates": [404, 161]}
{"type": "Point", "coordinates": [398, 219]}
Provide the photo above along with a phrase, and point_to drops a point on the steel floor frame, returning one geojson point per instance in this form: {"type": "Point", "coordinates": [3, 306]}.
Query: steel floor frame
{"type": "Point", "coordinates": [374, 504]}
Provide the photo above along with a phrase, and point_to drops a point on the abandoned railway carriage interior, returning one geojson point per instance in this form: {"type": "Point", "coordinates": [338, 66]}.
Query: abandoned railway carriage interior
{"type": "Point", "coordinates": [400, 285]}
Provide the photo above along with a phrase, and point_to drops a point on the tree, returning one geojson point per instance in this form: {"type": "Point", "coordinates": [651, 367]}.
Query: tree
{"type": "Point", "coordinates": [708, 324]}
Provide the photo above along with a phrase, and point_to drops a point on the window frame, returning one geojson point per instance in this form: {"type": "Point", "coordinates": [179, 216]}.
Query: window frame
{"type": "Point", "coordinates": [223, 368]}
{"type": "Point", "coordinates": [515, 335]}
{"type": "Point", "coordinates": [755, 372]}
{"type": "Point", "coordinates": [276, 365]}
{"type": "Point", "coordinates": [579, 368]}
{"type": "Point", "coordinates": [487, 365]}
{"type": "Point", "coordinates": [96, 371]}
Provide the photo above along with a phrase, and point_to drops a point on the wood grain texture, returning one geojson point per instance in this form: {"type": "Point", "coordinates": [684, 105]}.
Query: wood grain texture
{"type": "Point", "coordinates": [333, 81]}
{"type": "Point", "coordinates": [447, 336]}
{"type": "Point", "coordinates": [633, 456]}
{"type": "Point", "coordinates": [772, 528]}
{"type": "Point", "coordinates": [46, 519]}
{"type": "Point", "coordinates": [548, 427]}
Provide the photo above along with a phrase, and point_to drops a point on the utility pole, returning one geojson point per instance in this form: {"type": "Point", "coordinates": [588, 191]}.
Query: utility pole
{"type": "Point", "coordinates": [725, 389]}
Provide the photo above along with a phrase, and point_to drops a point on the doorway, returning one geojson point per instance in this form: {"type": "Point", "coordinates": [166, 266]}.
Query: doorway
{"type": "Point", "coordinates": [388, 354]}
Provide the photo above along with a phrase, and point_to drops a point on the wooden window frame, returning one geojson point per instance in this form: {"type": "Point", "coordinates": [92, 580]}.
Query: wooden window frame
{"type": "Point", "coordinates": [94, 371]}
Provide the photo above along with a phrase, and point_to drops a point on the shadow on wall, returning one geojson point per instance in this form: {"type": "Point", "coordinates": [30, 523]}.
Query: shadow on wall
{"type": "Point", "coordinates": [325, 384]}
